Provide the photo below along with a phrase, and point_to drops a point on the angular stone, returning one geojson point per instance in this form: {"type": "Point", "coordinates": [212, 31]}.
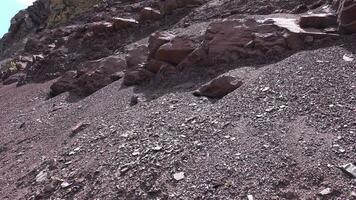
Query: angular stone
{"type": "Point", "coordinates": [64, 84]}
{"type": "Point", "coordinates": [219, 87]}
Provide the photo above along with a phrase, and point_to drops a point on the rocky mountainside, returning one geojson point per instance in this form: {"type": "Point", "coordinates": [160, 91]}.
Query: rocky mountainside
{"type": "Point", "coordinates": [179, 99]}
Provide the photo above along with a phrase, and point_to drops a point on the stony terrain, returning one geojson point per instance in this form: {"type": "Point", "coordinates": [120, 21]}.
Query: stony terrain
{"type": "Point", "coordinates": [175, 99]}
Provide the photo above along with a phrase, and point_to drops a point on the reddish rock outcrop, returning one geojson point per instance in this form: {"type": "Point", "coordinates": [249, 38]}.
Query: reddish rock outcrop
{"type": "Point", "coordinates": [66, 83]}
{"type": "Point", "coordinates": [175, 51]}
{"type": "Point", "coordinates": [156, 40]}
{"type": "Point", "coordinates": [92, 76]}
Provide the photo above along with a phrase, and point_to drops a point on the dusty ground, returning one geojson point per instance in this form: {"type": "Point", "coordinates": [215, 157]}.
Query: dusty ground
{"type": "Point", "coordinates": [280, 136]}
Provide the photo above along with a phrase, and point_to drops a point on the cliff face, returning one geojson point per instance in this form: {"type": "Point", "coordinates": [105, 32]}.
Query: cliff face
{"type": "Point", "coordinates": [41, 15]}
{"type": "Point", "coordinates": [63, 10]}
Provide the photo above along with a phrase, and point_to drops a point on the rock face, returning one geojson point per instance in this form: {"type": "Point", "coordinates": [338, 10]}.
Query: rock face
{"type": "Point", "coordinates": [24, 23]}
{"type": "Point", "coordinates": [347, 16]}
{"type": "Point", "coordinates": [175, 51]}
{"type": "Point", "coordinates": [319, 21]}
{"type": "Point", "coordinates": [219, 87]}
{"type": "Point", "coordinates": [230, 40]}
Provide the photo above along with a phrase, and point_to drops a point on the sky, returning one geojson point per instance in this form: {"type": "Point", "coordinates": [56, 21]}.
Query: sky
{"type": "Point", "coordinates": [8, 9]}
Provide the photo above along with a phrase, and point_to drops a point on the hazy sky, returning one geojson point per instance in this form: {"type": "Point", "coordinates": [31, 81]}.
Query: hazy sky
{"type": "Point", "coordinates": [8, 9]}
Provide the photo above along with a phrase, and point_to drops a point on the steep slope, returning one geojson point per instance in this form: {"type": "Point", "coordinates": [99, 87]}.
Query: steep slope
{"type": "Point", "coordinates": [282, 134]}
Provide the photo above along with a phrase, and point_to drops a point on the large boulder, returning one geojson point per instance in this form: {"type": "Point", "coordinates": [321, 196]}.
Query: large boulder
{"type": "Point", "coordinates": [95, 75]}
{"type": "Point", "coordinates": [175, 51]}
{"type": "Point", "coordinates": [230, 40]}
{"type": "Point", "coordinates": [91, 76]}
{"type": "Point", "coordinates": [156, 40]}
{"type": "Point", "coordinates": [65, 83]}
{"type": "Point", "coordinates": [219, 87]}
{"type": "Point", "coordinates": [347, 16]}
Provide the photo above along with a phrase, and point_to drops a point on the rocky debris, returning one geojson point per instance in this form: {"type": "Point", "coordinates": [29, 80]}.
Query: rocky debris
{"type": "Point", "coordinates": [148, 13]}
{"type": "Point", "coordinates": [319, 21]}
{"type": "Point", "coordinates": [348, 57]}
{"type": "Point", "coordinates": [347, 16]}
{"type": "Point", "coordinates": [349, 169]}
{"type": "Point", "coordinates": [250, 197]}
{"type": "Point", "coordinates": [219, 87]}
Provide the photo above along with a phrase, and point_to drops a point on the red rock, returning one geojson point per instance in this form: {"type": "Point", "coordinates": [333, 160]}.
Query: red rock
{"type": "Point", "coordinates": [97, 74]}
{"type": "Point", "coordinates": [149, 13]}
{"type": "Point", "coordinates": [219, 87]}
{"type": "Point", "coordinates": [156, 40]}
{"type": "Point", "coordinates": [175, 51]}
{"type": "Point", "coordinates": [91, 76]}
{"type": "Point", "coordinates": [231, 40]}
